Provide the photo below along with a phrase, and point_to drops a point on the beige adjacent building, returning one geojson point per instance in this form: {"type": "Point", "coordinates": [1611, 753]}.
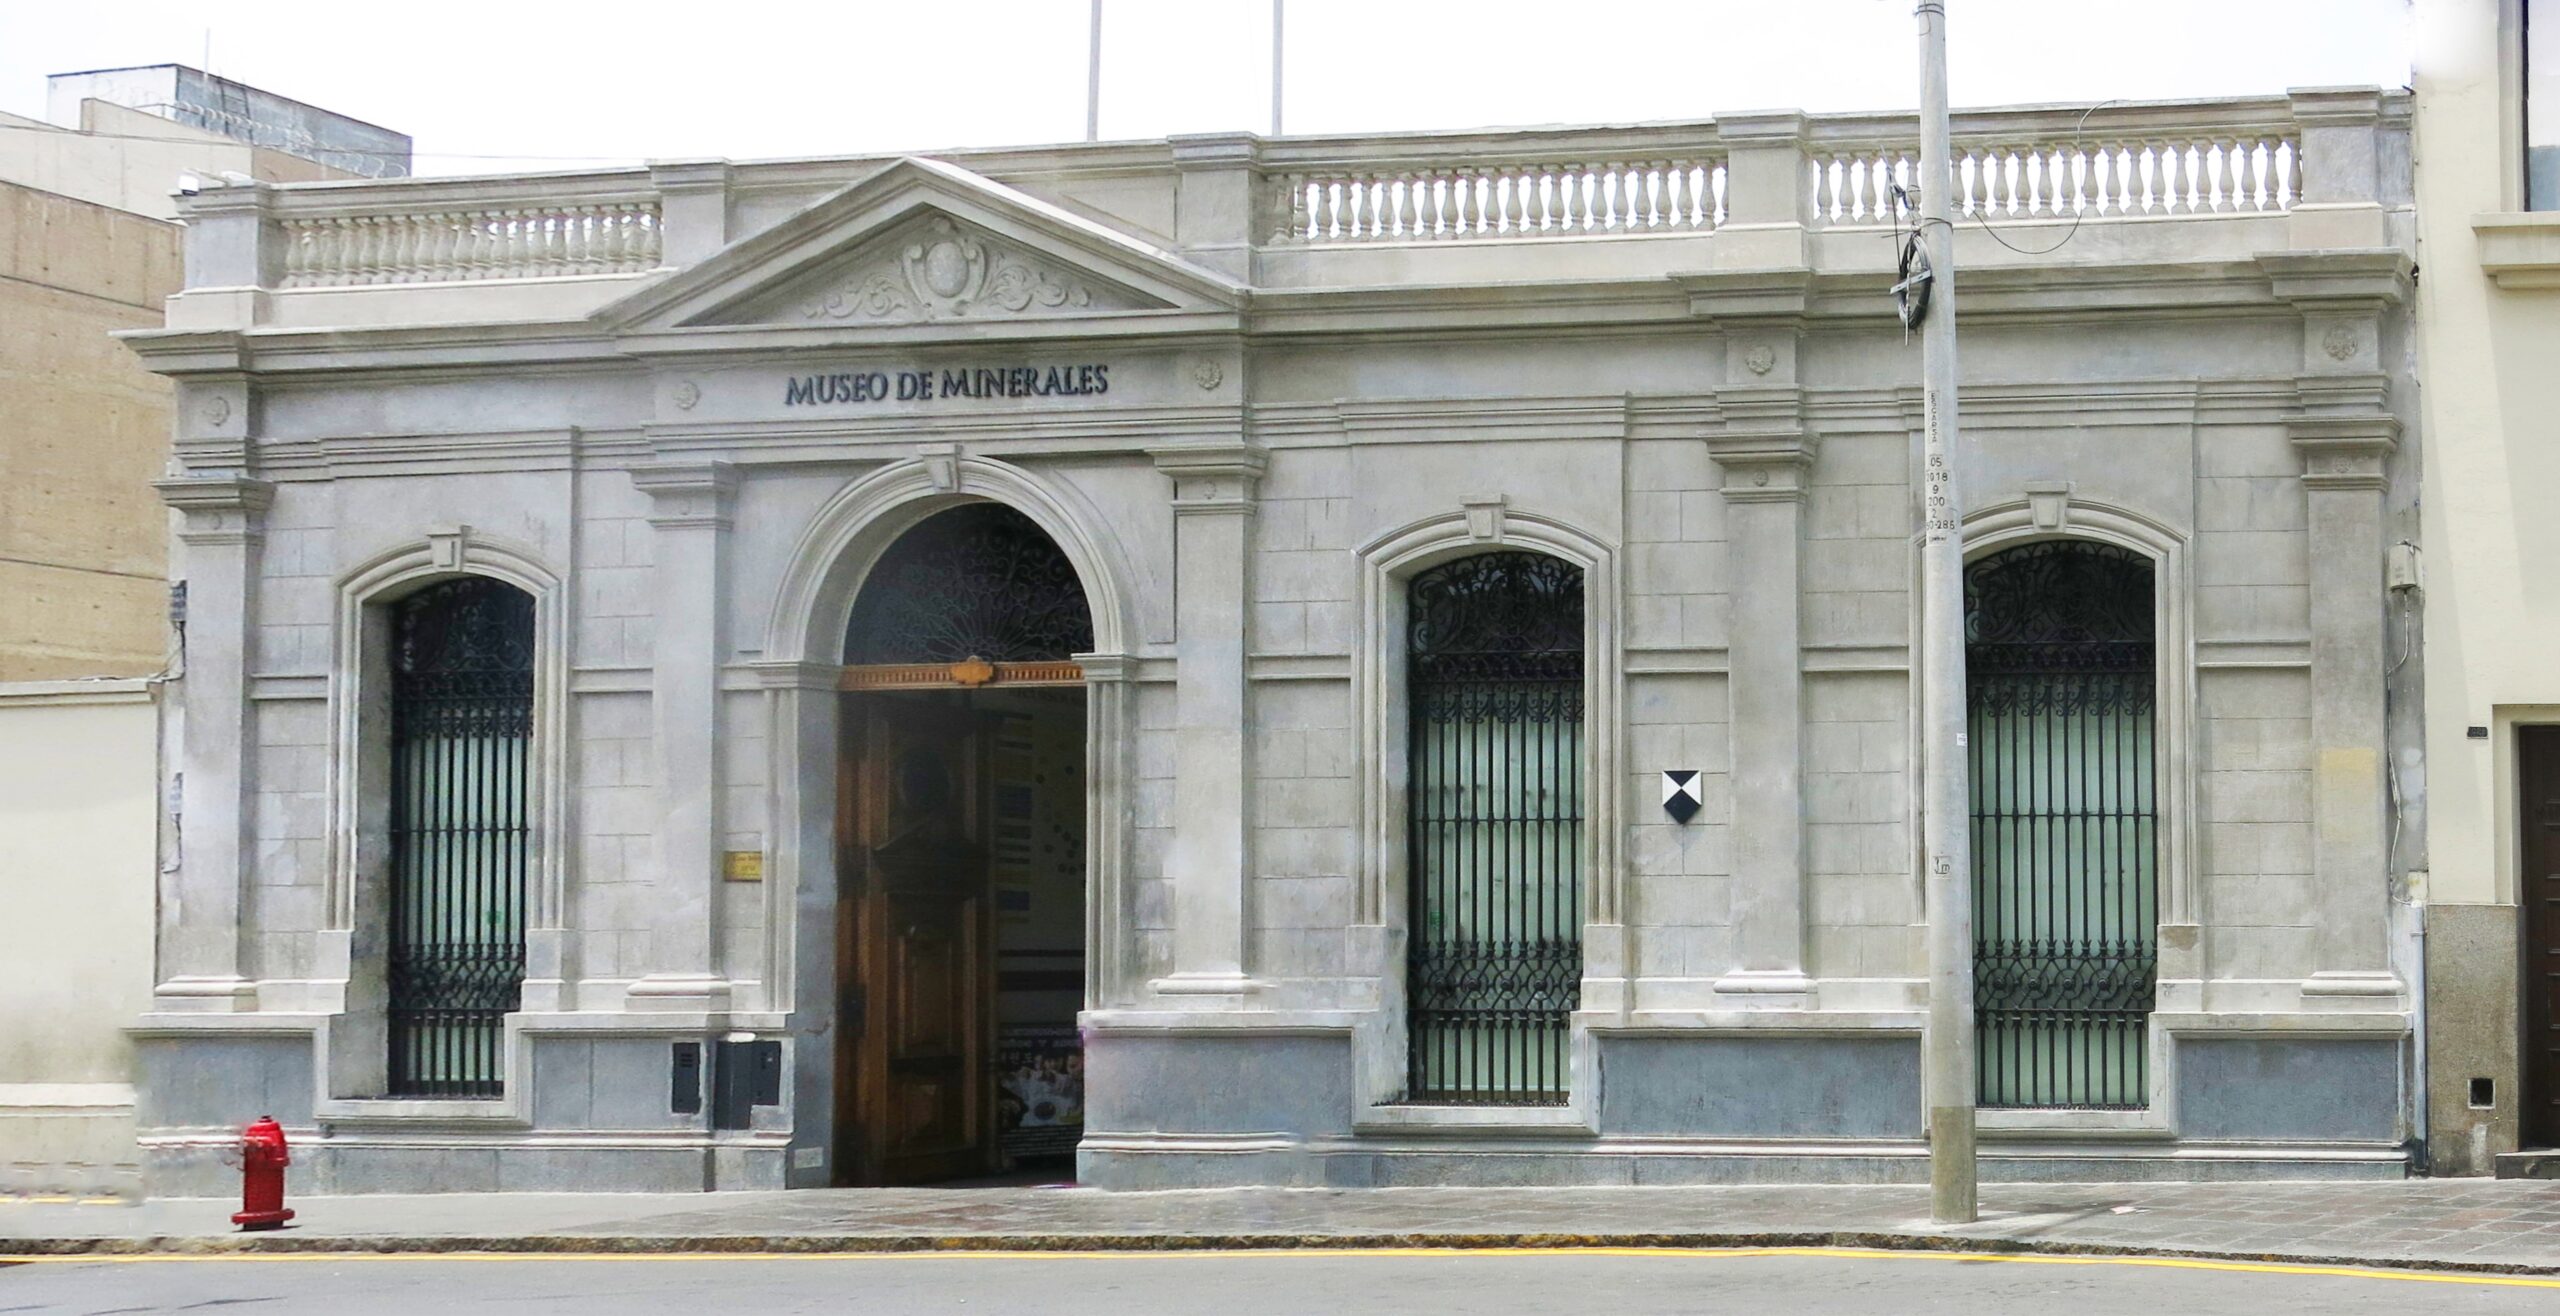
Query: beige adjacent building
{"type": "Point", "coordinates": [90, 246]}
{"type": "Point", "coordinates": [2489, 312]}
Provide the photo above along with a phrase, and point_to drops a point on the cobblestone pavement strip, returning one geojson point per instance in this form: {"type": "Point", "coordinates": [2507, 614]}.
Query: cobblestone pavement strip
{"type": "Point", "coordinates": [2480, 1224]}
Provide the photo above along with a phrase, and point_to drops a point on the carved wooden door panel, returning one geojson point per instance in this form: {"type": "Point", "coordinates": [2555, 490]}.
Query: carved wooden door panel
{"type": "Point", "coordinates": [912, 945]}
{"type": "Point", "coordinates": [2538, 894]}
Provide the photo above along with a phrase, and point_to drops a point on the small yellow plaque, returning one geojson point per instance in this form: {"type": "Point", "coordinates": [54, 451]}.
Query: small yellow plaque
{"type": "Point", "coordinates": [743, 866]}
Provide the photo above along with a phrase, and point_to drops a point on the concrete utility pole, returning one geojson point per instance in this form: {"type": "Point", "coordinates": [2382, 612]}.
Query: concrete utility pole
{"type": "Point", "coordinates": [1276, 48]}
{"type": "Point", "coordinates": [1093, 79]}
{"type": "Point", "coordinates": [1945, 805]}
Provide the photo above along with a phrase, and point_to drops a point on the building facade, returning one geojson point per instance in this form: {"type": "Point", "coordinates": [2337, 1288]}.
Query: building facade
{"type": "Point", "coordinates": [1310, 661]}
{"type": "Point", "coordinates": [2491, 141]}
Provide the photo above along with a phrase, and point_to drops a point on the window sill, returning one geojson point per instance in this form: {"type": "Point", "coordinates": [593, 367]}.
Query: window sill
{"type": "Point", "coordinates": [1491, 1121]}
{"type": "Point", "coordinates": [2520, 250]}
{"type": "Point", "coordinates": [418, 1110]}
{"type": "Point", "coordinates": [2025, 1124]}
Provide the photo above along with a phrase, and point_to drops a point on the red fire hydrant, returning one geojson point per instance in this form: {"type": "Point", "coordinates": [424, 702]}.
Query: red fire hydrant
{"type": "Point", "coordinates": [263, 1157]}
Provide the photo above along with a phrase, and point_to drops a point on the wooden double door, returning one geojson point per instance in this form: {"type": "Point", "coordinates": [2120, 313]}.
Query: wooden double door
{"type": "Point", "coordinates": [914, 967]}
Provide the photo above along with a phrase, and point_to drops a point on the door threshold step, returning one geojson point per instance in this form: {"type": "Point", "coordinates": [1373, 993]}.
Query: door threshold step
{"type": "Point", "coordinates": [2544, 1164]}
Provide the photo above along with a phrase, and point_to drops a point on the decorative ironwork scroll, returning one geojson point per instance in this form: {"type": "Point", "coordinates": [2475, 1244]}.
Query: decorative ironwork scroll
{"type": "Point", "coordinates": [461, 731]}
{"type": "Point", "coordinates": [979, 582]}
{"type": "Point", "coordinates": [2061, 686]}
{"type": "Point", "coordinates": [1495, 652]}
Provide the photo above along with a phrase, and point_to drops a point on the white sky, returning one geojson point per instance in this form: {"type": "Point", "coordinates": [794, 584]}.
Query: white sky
{"type": "Point", "coordinates": [536, 84]}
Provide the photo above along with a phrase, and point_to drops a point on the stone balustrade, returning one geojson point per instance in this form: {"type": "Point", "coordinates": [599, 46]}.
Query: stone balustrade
{"type": "Point", "coordinates": [460, 245]}
{"type": "Point", "coordinates": [2088, 178]}
{"type": "Point", "coordinates": [1302, 199]}
{"type": "Point", "coordinates": [1474, 200]}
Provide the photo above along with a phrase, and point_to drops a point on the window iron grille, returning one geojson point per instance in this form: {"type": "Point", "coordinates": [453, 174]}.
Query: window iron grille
{"type": "Point", "coordinates": [461, 731]}
{"type": "Point", "coordinates": [978, 581]}
{"type": "Point", "coordinates": [1494, 966]}
{"type": "Point", "coordinates": [2061, 687]}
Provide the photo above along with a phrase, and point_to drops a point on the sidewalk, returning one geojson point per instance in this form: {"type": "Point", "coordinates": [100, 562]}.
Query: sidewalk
{"type": "Point", "coordinates": [2469, 1224]}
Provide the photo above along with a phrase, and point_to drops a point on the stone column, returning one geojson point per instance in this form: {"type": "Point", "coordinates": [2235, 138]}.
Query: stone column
{"type": "Point", "coordinates": [690, 521]}
{"type": "Point", "coordinates": [1765, 454]}
{"type": "Point", "coordinates": [1213, 502]}
{"type": "Point", "coordinates": [200, 955]}
{"type": "Point", "coordinates": [2346, 435]}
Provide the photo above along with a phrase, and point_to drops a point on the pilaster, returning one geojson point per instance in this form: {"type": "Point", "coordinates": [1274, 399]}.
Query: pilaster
{"type": "Point", "coordinates": [1765, 455]}
{"type": "Point", "coordinates": [2346, 434]}
{"type": "Point", "coordinates": [1110, 682]}
{"type": "Point", "coordinates": [222, 525]}
{"type": "Point", "coordinates": [1214, 487]}
{"type": "Point", "coordinates": [690, 519]}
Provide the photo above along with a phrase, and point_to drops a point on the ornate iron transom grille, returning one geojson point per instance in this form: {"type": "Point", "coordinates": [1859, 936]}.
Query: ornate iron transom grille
{"type": "Point", "coordinates": [1494, 968]}
{"type": "Point", "coordinates": [2060, 692]}
{"type": "Point", "coordinates": [979, 581]}
{"type": "Point", "coordinates": [461, 726]}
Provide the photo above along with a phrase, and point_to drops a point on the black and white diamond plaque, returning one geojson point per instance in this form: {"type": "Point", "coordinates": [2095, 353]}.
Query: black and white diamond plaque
{"type": "Point", "coordinates": [1680, 796]}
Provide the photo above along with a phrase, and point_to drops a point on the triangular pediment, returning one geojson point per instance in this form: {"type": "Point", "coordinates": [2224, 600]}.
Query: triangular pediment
{"type": "Point", "coordinates": [937, 266]}
{"type": "Point", "coordinates": [925, 243]}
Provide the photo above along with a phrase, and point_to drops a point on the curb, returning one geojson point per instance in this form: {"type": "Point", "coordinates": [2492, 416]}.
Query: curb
{"type": "Point", "coordinates": [848, 1244]}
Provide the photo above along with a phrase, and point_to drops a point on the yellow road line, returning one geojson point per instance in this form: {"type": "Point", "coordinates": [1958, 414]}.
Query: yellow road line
{"type": "Point", "coordinates": [1657, 1253]}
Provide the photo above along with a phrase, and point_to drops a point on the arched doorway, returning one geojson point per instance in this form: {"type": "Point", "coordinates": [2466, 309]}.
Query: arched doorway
{"type": "Point", "coordinates": [960, 845]}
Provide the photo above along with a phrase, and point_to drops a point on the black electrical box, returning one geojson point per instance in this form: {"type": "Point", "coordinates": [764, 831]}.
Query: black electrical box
{"type": "Point", "coordinates": [745, 1075]}
{"type": "Point", "coordinates": [684, 1080]}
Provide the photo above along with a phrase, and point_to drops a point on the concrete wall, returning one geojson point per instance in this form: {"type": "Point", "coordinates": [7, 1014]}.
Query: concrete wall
{"type": "Point", "coordinates": [79, 851]}
{"type": "Point", "coordinates": [84, 429]}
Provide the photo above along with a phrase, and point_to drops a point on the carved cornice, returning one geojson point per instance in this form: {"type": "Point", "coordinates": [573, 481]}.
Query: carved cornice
{"type": "Point", "coordinates": [218, 509]}
{"type": "Point", "coordinates": [2364, 279]}
{"type": "Point", "coordinates": [1213, 478]}
{"type": "Point", "coordinates": [1763, 466]}
{"type": "Point", "coordinates": [2344, 452]}
{"type": "Point", "coordinates": [687, 494]}
{"type": "Point", "coordinates": [1757, 299]}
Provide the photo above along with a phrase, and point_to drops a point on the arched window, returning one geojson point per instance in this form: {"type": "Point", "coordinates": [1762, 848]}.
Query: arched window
{"type": "Point", "coordinates": [979, 581]}
{"type": "Point", "coordinates": [1495, 697]}
{"type": "Point", "coordinates": [2061, 697]}
{"type": "Point", "coordinates": [461, 730]}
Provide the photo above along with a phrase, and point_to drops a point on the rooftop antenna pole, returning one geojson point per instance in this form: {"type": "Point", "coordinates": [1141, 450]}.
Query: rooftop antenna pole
{"type": "Point", "coordinates": [1276, 48]}
{"type": "Point", "coordinates": [1948, 1068]}
{"type": "Point", "coordinates": [1093, 80]}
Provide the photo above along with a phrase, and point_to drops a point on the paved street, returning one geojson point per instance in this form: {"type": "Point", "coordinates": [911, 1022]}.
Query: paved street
{"type": "Point", "coordinates": [1289, 1284]}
